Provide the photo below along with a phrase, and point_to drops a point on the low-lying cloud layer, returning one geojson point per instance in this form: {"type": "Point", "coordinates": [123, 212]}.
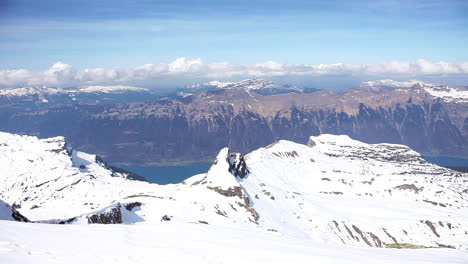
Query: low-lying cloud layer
{"type": "Point", "coordinates": [63, 75]}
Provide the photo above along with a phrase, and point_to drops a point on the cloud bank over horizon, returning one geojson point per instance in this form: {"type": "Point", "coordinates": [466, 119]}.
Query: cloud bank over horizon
{"type": "Point", "coordinates": [184, 71]}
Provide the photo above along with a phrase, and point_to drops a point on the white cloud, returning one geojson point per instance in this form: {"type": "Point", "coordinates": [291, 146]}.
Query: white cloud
{"type": "Point", "coordinates": [61, 74]}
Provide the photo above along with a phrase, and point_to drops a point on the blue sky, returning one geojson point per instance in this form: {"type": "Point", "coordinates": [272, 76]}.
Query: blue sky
{"type": "Point", "coordinates": [117, 34]}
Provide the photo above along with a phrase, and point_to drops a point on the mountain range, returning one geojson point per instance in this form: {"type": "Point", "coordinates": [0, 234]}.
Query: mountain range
{"type": "Point", "coordinates": [43, 97]}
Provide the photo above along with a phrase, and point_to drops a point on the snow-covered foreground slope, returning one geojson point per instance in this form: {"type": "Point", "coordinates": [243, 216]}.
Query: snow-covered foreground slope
{"type": "Point", "coordinates": [338, 189]}
{"type": "Point", "coordinates": [172, 242]}
{"type": "Point", "coordinates": [45, 179]}
{"type": "Point", "coordinates": [331, 193]}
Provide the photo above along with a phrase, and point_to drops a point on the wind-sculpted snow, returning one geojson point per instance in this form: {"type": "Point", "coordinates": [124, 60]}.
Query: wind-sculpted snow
{"type": "Point", "coordinates": [334, 190]}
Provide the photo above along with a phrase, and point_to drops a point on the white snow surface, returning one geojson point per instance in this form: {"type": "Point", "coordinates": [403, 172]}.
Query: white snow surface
{"type": "Point", "coordinates": [174, 242]}
{"type": "Point", "coordinates": [300, 203]}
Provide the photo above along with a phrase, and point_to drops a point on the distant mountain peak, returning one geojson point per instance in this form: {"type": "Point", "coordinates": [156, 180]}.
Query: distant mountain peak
{"type": "Point", "coordinates": [260, 86]}
{"type": "Point", "coordinates": [110, 88]}
{"type": "Point", "coordinates": [246, 84]}
{"type": "Point", "coordinates": [448, 94]}
{"type": "Point", "coordinates": [391, 84]}
{"type": "Point", "coordinates": [45, 90]}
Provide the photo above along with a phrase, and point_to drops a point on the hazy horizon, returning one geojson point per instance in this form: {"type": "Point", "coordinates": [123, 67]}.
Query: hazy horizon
{"type": "Point", "coordinates": [164, 44]}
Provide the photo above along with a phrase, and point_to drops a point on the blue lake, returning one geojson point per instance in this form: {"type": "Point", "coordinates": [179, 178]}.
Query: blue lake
{"type": "Point", "coordinates": [168, 174]}
{"type": "Point", "coordinates": [447, 161]}
{"type": "Point", "coordinates": [178, 173]}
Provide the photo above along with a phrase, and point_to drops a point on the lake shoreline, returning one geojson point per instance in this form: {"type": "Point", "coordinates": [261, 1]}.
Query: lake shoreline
{"type": "Point", "coordinates": [171, 174]}
{"type": "Point", "coordinates": [176, 172]}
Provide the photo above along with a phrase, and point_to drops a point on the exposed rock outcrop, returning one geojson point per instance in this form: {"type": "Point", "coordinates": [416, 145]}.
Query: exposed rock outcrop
{"type": "Point", "coordinates": [114, 214]}
{"type": "Point", "coordinates": [109, 216]}
{"type": "Point", "coordinates": [237, 165]}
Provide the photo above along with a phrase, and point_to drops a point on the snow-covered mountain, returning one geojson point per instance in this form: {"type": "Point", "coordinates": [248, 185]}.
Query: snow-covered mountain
{"type": "Point", "coordinates": [333, 190]}
{"type": "Point", "coordinates": [48, 180]}
{"type": "Point", "coordinates": [45, 97]}
{"type": "Point", "coordinates": [449, 94]}
{"type": "Point", "coordinates": [260, 86]}
{"type": "Point", "coordinates": [44, 90]}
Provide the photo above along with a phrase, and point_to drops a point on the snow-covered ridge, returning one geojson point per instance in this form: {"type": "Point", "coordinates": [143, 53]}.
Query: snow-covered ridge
{"type": "Point", "coordinates": [216, 84]}
{"type": "Point", "coordinates": [394, 84]}
{"type": "Point", "coordinates": [111, 89]}
{"type": "Point", "coordinates": [44, 90]}
{"type": "Point", "coordinates": [334, 190]}
{"type": "Point", "coordinates": [248, 84]}
{"type": "Point", "coordinates": [449, 94]}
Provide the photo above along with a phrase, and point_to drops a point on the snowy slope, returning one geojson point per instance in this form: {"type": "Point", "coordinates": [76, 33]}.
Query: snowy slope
{"type": "Point", "coordinates": [334, 190]}
{"type": "Point", "coordinates": [172, 242]}
{"type": "Point", "coordinates": [49, 180]}
{"type": "Point", "coordinates": [343, 190]}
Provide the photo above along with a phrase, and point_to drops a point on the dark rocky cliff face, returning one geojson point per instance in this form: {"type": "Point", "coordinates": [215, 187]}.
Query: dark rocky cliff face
{"type": "Point", "coordinates": [11, 213]}
{"type": "Point", "coordinates": [170, 130]}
